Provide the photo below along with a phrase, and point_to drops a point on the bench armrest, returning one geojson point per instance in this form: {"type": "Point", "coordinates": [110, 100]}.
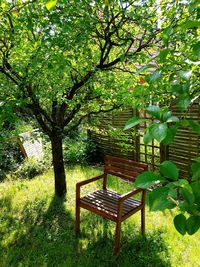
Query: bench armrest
{"type": "Point", "coordinates": [129, 194]}
{"type": "Point", "coordinates": [79, 184]}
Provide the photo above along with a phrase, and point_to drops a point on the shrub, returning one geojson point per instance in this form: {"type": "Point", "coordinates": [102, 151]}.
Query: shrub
{"type": "Point", "coordinates": [2, 175]}
{"type": "Point", "coordinates": [10, 154]}
{"type": "Point", "coordinates": [30, 168]}
{"type": "Point", "coordinates": [10, 157]}
{"type": "Point", "coordinates": [74, 153]}
{"type": "Point", "coordinates": [47, 158]}
{"type": "Point", "coordinates": [80, 152]}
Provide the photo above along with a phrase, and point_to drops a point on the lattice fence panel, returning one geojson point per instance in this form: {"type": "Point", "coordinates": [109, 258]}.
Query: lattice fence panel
{"type": "Point", "coordinates": [129, 144]}
{"type": "Point", "coordinates": [186, 145]}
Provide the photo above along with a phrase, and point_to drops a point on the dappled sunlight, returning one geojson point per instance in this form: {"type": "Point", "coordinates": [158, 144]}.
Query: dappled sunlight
{"type": "Point", "coordinates": [98, 237]}
{"type": "Point", "coordinates": [37, 229]}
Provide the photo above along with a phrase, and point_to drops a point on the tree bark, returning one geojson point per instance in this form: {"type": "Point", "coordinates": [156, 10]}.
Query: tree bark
{"type": "Point", "coordinates": [58, 165]}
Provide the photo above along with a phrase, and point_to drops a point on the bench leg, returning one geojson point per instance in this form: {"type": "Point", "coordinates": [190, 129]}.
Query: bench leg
{"type": "Point", "coordinates": [77, 218]}
{"type": "Point", "coordinates": [143, 221]}
{"type": "Point", "coordinates": [117, 238]}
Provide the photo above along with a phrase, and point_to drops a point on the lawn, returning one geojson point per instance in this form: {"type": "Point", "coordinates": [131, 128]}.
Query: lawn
{"type": "Point", "coordinates": [37, 229]}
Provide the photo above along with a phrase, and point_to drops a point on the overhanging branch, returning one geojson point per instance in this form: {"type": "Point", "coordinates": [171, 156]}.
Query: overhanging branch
{"type": "Point", "coordinates": [76, 124]}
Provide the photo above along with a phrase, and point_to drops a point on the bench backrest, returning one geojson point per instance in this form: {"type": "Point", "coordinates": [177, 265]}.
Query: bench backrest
{"type": "Point", "coordinates": [124, 168]}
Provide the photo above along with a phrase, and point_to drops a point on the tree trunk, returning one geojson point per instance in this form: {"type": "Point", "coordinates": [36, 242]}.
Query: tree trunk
{"type": "Point", "coordinates": [58, 165]}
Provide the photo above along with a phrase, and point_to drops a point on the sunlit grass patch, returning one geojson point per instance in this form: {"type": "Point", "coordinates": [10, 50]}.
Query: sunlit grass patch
{"type": "Point", "coordinates": [37, 229]}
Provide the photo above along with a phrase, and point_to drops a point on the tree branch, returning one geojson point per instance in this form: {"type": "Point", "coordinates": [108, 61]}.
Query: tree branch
{"type": "Point", "coordinates": [36, 104]}
{"type": "Point", "coordinates": [76, 86]}
{"type": "Point", "coordinates": [76, 124]}
{"type": "Point", "coordinates": [2, 70]}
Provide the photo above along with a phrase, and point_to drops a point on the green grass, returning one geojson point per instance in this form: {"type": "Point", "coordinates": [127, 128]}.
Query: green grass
{"type": "Point", "coordinates": [37, 229]}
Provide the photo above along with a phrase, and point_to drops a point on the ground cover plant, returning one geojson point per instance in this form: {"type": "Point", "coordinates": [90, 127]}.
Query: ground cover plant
{"type": "Point", "coordinates": [37, 229]}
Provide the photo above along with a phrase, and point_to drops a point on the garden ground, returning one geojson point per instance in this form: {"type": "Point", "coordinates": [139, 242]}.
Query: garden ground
{"type": "Point", "coordinates": [37, 229]}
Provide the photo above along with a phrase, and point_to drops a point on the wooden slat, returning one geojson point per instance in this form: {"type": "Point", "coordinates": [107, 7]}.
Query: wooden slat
{"type": "Point", "coordinates": [123, 168]}
{"type": "Point", "coordinates": [121, 175]}
{"type": "Point", "coordinates": [121, 171]}
{"type": "Point", "coordinates": [183, 150]}
{"type": "Point", "coordinates": [177, 147]}
{"type": "Point", "coordinates": [129, 167]}
{"type": "Point", "coordinates": [116, 195]}
{"type": "Point", "coordinates": [106, 201]}
{"type": "Point", "coordinates": [126, 161]}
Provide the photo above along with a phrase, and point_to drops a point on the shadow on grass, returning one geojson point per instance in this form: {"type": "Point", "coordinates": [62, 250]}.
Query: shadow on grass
{"type": "Point", "coordinates": [45, 237]}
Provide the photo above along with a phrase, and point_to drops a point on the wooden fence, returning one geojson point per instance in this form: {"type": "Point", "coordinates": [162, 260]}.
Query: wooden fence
{"type": "Point", "coordinates": [129, 144]}
{"type": "Point", "coordinates": [186, 145]}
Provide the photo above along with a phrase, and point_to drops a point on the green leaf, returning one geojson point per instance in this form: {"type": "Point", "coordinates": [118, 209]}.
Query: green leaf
{"type": "Point", "coordinates": [196, 49]}
{"type": "Point", "coordinates": [193, 224]}
{"type": "Point", "coordinates": [177, 88]}
{"type": "Point", "coordinates": [183, 206]}
{"type": "Point", "coordinates": [163, 54]}
{"type": "Point", "coordinates": [154, 111]}
{"type": "Point", "coordinates": [51, 4]}
{"type": "Point", "coordinates": [133, 122]}
{"type": "Point", "coordinates": [167, 31]}
{"type": "Point", "coordinates": [196, 192]}
{"type": "Point", "coordinates": [166, 35]}
{"type": "Point", "coordinates": [190, 24]}
{"type": "Point", "coordinates": [169, 169]}
{"type": "Point", "coordinates": [197, 159]}
{"type": "Point", "coordinates": [185, 74]}
{"type": "Point", "coordinates": [158, 199]}
{"type": "Point", "coordinates": [147, 138]}
{"type": "Point", "coordinates": [173, 119]}
{"type": "Point", "coordinates": [122, 58]}
{"type": "Point", "coordinates": [187, 194]}
{"type": "Point", "coordinates": [180, 224]}
{"type": "Point", "coordinates": [183, 102]}
{"type": "Point", "coordinates": [196, 171]}
{"type": "Point", "coordinates": [155, 76]}
{"type": "Point", "coordinates": [166, 115]}
{"type": "Point", "coordinates": [193, 5]}
{"type": "Point", "coordinates": [144, 68]}
{"type": "Point", "coordinates": [147, 179]}
{"type": "Point", "coordinates": [195, 126]}
{"type": "Point", "coordinates": [3, 5]}
{"type": "Point", "coordinates": [159, 131]}
{"type": "Point", "coordinates": [171, 133]}
{"type": "Point", "coordinates": [172, 193]}
{"type": "Point", "coordinates": [180, 183]}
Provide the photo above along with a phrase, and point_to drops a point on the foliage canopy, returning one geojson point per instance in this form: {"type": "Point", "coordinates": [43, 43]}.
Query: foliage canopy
{"type": "Point", "coordinates": [62, 61]}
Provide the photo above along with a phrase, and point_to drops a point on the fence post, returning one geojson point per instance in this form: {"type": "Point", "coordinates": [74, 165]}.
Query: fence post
{"type": "Point", "coordinates": [137, 138]}
{"type": "Point", "coordinates": [164, 152]}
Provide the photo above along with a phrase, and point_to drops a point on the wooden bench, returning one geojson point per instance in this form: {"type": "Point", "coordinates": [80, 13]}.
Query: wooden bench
{"type": "Point", "coordinates": [109, 204]}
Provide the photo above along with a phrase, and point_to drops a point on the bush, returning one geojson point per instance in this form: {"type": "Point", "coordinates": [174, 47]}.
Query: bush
{"type": "Point", "coordinates": [2, 175]}
{"type": "Point", "coordinates": [30, 168]}
{"type": "Point", "coordinates": [80, 152]}
{"type": "Point", "coordinates": [10, 154]}
{"type": "Point", "coordinates": [10, 157]}
{"type": "Point", "coordinates": [47, 158]}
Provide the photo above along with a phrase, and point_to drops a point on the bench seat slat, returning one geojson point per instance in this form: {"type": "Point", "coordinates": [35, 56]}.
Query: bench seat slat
{"type": "Point", "coordinates": [111, 202]}
{"type": "Point", "coordinates": [107, 202]}
{"type": "Point", "coordinates": [97, 199]}
{"type": "Point", "coordinates": [116, 195]}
